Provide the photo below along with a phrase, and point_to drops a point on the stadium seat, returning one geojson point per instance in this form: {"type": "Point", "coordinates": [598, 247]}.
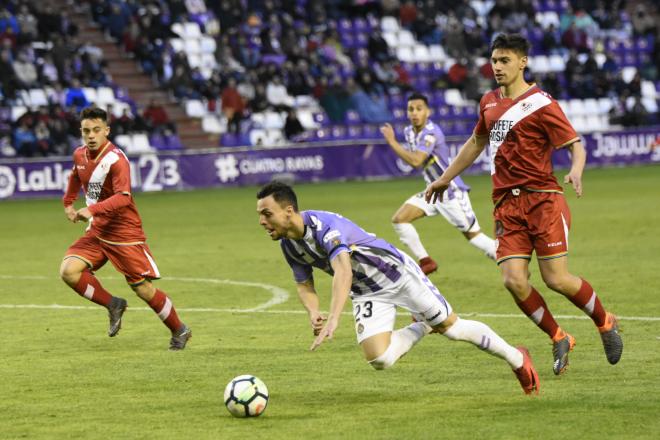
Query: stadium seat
{"type": "Point", "coordinates": [273, 120]}
{"type": "Point", "coordinates": [213, 124]}
{"type": "Point", "coordinates": [389, 24]}
{"type": "Point", "coordinates": [177, 28]}
{"type": "Point", "coordinates": [105, 96]}
{"type": "Point", "coordinates": [556, 63]}
{"type": "Point", "coordinates": [90, 94]}
{"type": "Point", "coordinates": [628, 73]}
{"type": "Point", "coordinates": [208, 61]}
{"type": "Point", "coordinates": [651, 105]}
{"type": "Point", "coordinates": [453, 97]}
{"type": "Point", "coordinates": [648, 89]}
{"type": "Point", "coordinates": [123, 141]}
{"type": "Point", "coordinates": [207, 45]}
{"type": "Point", "coordinates": [405, 53]}
{"type": "Point", "coordinates": [17, 111]}
{"type": "Point", "coordinates": [576, 108]}
{"type": "Point", "coordinates": [38, 98]}
{"type": "Point", "coordinates": [194, 60]}
{"type": "Point", "coordinates": [405, 38]}
{"type": "Point", "coordinates": [139, 144]}
{"type": "Point", "coordinates": [539, 64]}
{"type": "Point", "coordinates": [421, 53]}
{"type": "Point", "coordinates": [594, 123]}
{"type": "Point", "coordinates": [192, 46]}
{"type": "Point", "coordinates": [195, 108]}
{"type": "Point", "coordinates": [191, 30]}
{"type": "Point", "coordinates": [604, 105]}
{"type": "Point", "coordinates": [437, 53]}
{"type": "Point", "coordinates": [118, 108]}
{"type": "Point", "coordinates": [591, 107]}
{"type": "Point", "coordinates": [177, 44]}
{"type": "Point", "coordinates": [579, 123]}
{"type": "Point", "coordinates": [391, 39]}
{"type": "Point", "coordinates": [306, 118]}
{"type": "Point", "coordinates": [258, 137]}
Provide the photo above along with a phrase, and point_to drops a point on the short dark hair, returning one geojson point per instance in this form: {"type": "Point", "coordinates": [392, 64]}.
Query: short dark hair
{"type": "Point", "coordinates": [416, 95]}
{"type": "Point", "coordinates": [514, 42]}
{"type": "Point", "coordinates": [281, 192]}
{"type": "Point", "coordinates": [94, 113]}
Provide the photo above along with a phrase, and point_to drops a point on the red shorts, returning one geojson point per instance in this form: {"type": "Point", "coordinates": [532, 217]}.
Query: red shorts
{"type": "Point", "coordinates": [134, 261]}
{"type": "Point", "coordinates": [532, 221]}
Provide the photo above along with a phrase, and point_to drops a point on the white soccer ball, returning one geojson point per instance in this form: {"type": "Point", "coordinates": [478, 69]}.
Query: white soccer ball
{"type": "Point", "coordinates": [246, 396]}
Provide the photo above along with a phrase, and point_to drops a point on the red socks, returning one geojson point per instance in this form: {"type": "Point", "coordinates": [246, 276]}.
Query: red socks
{"type": "Point", "coordinates": [587, 300]}
{"type": "Point", "coordinates": [89, 287]}
{"type": "Point", "coordinates": [536, 309]}
{"type": "Point", "coordinates": [162, 305]}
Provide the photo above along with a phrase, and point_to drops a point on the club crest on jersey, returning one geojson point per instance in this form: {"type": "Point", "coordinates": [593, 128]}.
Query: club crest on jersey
{"type": "Point", "coordinates": [526, 106]}
{"type": "Point", "coordinates": [360, 328]}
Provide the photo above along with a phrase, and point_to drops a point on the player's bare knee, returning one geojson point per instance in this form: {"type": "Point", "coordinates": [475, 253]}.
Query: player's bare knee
{"type": "Point", "coordinates": [515, 283]}
{"type": "Point", "coordinates": [70, 273]}
{"type": "Point", "coordinates": [557, 283]}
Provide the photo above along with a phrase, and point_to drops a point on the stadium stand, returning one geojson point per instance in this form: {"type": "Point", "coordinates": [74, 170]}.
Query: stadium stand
{"type": "Point", "coordinates": [343, 67]}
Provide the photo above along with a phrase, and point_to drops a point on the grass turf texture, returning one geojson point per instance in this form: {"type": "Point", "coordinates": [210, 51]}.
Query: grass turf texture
{"type": "Point", "coordinates": [62, 377]}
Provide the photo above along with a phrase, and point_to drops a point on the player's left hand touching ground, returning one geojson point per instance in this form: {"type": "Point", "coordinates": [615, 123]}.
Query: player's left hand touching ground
{"type": "Point", "coordinates": [576, 179]}
{"type": "Point", "coordinates": [327, 331]}
{"type": "Point", "coordinates": [317, 321]}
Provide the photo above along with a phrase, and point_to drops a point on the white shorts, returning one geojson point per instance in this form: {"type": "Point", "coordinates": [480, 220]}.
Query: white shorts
{"type": "Point", "coordinates": [457, 211]}
{"type": "Point", "coordinates": [376, 313]}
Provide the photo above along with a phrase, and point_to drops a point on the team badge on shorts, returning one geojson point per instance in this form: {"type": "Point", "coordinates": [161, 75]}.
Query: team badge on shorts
{"type": "Point", "coordinates": [499, 228]}
{"type": "Point", "coordinates": [360, 328]}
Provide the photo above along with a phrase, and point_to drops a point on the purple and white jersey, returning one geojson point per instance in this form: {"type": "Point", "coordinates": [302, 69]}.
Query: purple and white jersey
{"type": "Point", "coordinates": [376, 263]}
{"type": "Point", "coordinates": [431, 140]}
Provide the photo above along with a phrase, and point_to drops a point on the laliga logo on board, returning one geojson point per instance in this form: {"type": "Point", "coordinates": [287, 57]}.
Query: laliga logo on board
{"type": "Point", "coordinates": [7, 182]}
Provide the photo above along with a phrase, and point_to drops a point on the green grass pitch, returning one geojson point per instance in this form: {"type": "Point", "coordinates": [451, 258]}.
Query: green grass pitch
{"type": "Point", "coordinates": [62, 377]}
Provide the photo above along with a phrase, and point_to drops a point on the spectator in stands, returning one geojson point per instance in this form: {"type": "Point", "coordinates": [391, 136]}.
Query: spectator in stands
{"type": "Point", "coordinates": [453, 39]}
{"type": "Point", "coordinates": [332, 50]}
{"type": "Point", "coordinates": [377, 46]}
{"type": "Point", "coordinates": [8, 81]}
{"type": "Point", "coordinates": [43, 141]}
{"type": "Point", "coordinates": [259, 102]}
{"type": "Point", "coordinates": [407, 13]}
{"type": "Point", "coordinates": [638, 115]}
{"type": "Point", "coordinates": [551, 85]}
{"type": "Point", "coordinates": [123, 124]}
{"type": "Point", "coordinates": [156, 119]}
{"type": "Point", "coordinates": [24, 139]}
{"type": "Point", "coordinates": [457, 74]}
{"type": "Point", "coordinates": [425, 29]}
{"type": "Point", "coordinates": [575, 38]}
{"type": "Point", "coordinates": [277, 94]}
{"type": "Point", "coordinates": [25, 72]}
{"type": "Point", "coordinates": [335, 99]}
{"type": "Point", "coordinates": [27, 24]}
{"type": "Point", "coordinates": [371, 107]}
{"type": "Point", "coordinates": [47, 71]}
{"type": "Point", "coordinates": [75, 96]}
{"type": "Point", "coordinates": [643, 22]}
{"type": "Point", "coordinates": [549, 41]}
{"type": "Point", "coordinates": [233, 106]}
{"type": "Point", "coordinates": [292, 126]}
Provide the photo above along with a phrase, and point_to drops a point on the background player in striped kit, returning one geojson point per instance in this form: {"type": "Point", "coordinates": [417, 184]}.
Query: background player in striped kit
{"type": "Point", "coordinates": [378, 277]}
{"type": "Point", "coordinates": [523, 126]}
{"type": "Point", "coordinates": [425, 148]}
{"type": "Point", "coordinates": [114, 230]}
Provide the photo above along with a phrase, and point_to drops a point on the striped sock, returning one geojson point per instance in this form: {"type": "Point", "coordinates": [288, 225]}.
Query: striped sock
{"type": "Point", "coordinates": [587, 300]}
{"type": "Point", "coordinates": [89, 287]}
{"type": "Point", "coordinates": [162, 305]}
{"type": "Point", "coordinates": [537, 310]}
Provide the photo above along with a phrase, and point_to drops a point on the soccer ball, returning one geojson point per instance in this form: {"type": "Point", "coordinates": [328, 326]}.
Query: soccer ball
{"type": "Point", "coordinates": [246, 396]}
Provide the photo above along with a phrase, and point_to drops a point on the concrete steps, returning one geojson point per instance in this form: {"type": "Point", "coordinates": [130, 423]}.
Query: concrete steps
{"type": "Point", "coordinates": [127, 74]}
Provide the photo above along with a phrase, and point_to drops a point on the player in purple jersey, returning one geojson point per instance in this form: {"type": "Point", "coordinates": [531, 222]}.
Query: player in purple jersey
{"type": "Point", "coordinates": [425, 148]}
{"type": "Point", "coordinates": [378, 277]}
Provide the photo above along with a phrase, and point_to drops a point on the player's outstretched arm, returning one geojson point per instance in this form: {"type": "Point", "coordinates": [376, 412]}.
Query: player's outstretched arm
{"type": "Point", "coordinates": [413, 158]}
{"type": "Point", "coordinates": [466, 156]}
{"type": "Point", "coordinates": [310, 301]}
{"type": "Point", "coordinates": [578, 159]}
{"type": "Point", "coordinates": [341, 287]}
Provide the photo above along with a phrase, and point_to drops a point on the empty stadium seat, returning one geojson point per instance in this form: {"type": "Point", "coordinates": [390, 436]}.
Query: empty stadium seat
{"type": "Point", "coordinates": [38, 98]}
{"type": "Point", "coordinates": [213, 124]}
{"type": "Point", "coordinates": [191, 30]}
{"type": "Point", "coordinates": [454, 97]}
{"type": "Point", "coordinates": [405, 38]}
{"type": "Point", "coordinates": [195, 108]}
{"type": "Point", "coordinates": [389, 24]}
{"type": "Point", "coordinates": [139, 144]}
{"type": "Point", "coordinates": [105, 96]}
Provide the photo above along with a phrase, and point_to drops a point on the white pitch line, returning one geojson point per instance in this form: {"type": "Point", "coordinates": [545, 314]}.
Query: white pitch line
{"type": "Point", "coordinates": [279, 296]}
{"type": "Point", "coordinates": [300, 312]}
